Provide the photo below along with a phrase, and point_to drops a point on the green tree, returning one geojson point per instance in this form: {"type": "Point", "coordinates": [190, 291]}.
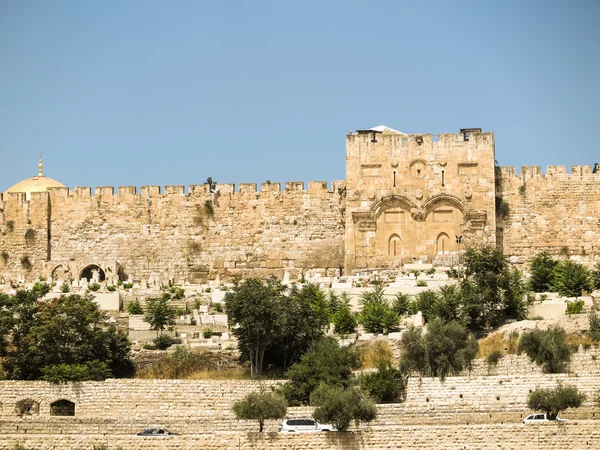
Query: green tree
{"type": "Point", "coordinates": [325, 362]}
{"type": "Point", "coordinates": [159, 314]}
{"type": "Point", "coordinates": [547, 348]}
{"type": "Point", "coordinates": [274, 328]}
{"type": "Point", "coordinates": [542, 272]}
{"type": "Point", "coordinates": [376, 314]}
{"type": "Point", "coordinates": [88, 371]}
{"type": "Point", "coordinates": [260, 405]}
{"type": "Point", "coordinates": [554, 400]}
{"type": "Point", "coordinates": [387, 385]}
{"type": "Point", "coordinates": [402, 304]}
{"type": "Point", "coordinates": [254, 306]}
{"type": "Point", "coordinates": [46, 337]}
{"type": "Point", "coordinates": [340, 406]}
{"type": "Point", "coordinates": [447, 304]}
{"type": "Point", "coordinates": [446, 349]}
{"type": "Point", "coordinates": [514, 294]}
{"type": "Point", "coordinates": [570, 278]}
{"type": "Point", "coordinates": [425, 302]}
{"type": "Point", "coordinates": [344, 319]}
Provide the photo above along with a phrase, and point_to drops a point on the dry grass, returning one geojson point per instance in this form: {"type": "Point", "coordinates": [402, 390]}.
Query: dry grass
{"type": "Point", "coordinates": [375, 354]}
{"type": "Point", "coordinates": [492, 343]}
{"type": "Point", "coordinates": [577, 340]}
{"type": "Point", "coordinates": [228, 374]}
{"type": "Point", "coordinates": [184, 363]}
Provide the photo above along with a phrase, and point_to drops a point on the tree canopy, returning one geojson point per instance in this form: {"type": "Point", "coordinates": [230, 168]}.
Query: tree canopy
{"type": "Point", "coordinates": [554, 400]}
{"type": "Point", "coordinates": [63, 338]}
{"type": "Point", "coordinates": [260, 405]}
{"type": "Point", "coordinates": [547, 348]}
{"type": "Point", "coordinates": [340, 406]}
{"type": "Point", "coordinates": [275, 326]}
{"type": "Point", "coordinates": [325, 362]}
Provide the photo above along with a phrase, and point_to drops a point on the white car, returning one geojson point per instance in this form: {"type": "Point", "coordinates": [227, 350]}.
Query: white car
{"type": "Point", "coordinates": [303, 425]}
{"type": "Point", "coordinates": [541, 418]}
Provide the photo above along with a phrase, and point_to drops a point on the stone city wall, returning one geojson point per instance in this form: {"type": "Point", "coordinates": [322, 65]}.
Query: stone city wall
{"type": "Point", "coordinates": [575, 435]}
{"type": "Point", "coordinates": [194, 406]}
{"type": "Point", "coordinates": [173, 235]}
{"type": "Point", "coordinates": [555, 211]}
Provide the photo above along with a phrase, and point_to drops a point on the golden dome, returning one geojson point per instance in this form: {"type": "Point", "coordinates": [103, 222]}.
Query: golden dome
{"type": "Point", "coordinates": [39, 183]}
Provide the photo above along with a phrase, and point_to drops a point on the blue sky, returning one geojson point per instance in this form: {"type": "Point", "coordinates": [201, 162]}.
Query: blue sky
{"type": "Point", "coordinates": [155, 92]}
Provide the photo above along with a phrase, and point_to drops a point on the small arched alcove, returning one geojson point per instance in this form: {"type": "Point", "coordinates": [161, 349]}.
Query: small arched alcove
{"type": "Point", "coordinates": [62, 407]}
{"type": "Point", "coordinates": [27, 407]}
{"type": "Point", "coordinates": [442, 244]}
{"type": "Point", "coordinates": [394, 246]}
{"type": "Point", "coordinates": [92, 272]}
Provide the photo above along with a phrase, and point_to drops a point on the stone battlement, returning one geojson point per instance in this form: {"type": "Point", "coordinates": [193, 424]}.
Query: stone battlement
{"type": "Point", "coordinates": [578, 173]}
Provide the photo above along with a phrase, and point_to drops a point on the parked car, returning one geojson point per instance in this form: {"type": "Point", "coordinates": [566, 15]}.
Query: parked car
{"type": "Point", "coordinates": [156, 432]}
{"type": "Point", "coordinates": [541, 418]}
{"type": "Point", "coordinates": [303, 425]}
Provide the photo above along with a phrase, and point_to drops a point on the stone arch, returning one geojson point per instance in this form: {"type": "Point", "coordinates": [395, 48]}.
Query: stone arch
{"type": "Point", "coordinates": [391, 201]}
{"type": "Point", "coordinates": [442, 243]}
{"type": "Point", "coordinates": [394, 246]}
{"type": "Point", "coordinates": [27, 407]}
{"type": "Point", "coordinates": [432, 202]}
{"type": "Point", "coordinates": [62, 407]}
{"type": "Point", "coordinates": [60, 272]}
{"type": "Point", "coordinates": [88, 272]}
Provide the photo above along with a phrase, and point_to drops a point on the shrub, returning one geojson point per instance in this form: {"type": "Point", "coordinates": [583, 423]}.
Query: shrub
{"type": "Point", "coordinates": [452, 273]}
{"type": "Point", "coordinates": [595, 276]}
{"type": "Point", "coordinates": [340, 406]}
{"type": "Point", "coordinates": [502, 208]}
{"type": "Point", "coordinates": [344, 320]}
{"type": "Point", "coordinates": [387, 385]}
{"type": "Point", "coordinates": [446, 349]}
{"type": "Point", "coordinates": [207, 333]}
{"type": "Point", "coordinates": [193, 321]}
{"type": "Point", "coordinates": [575, 307]}
{"type": "Point", "coordinates": [594, 321]}
{"type": "Point", "coordinates": [197, 303]}
{"type": "Point", "coordinates": [163, 342]}
{"type": "Point", "coordinates": [94, 287]}
{"type": "Point", "coordinates": [111, 288]}
{"type": "Point", "coordinates": [178, 293]}
{"type": "Point", "coordinates": [26, 263]}
{"type": "Point", "coordinates": [218, 307]}
{"type": "Point", "coordinates": [554, 400]}
{"type": "Point", "coordinates": [571, 278]}
{"type": "Point", "coordinates": [65, 287]}
{"type": "Point", "coordinates": [425, 302]}
{"type": "Point", "coordinates": [547, 348]}
{"type": "Point", "coordinates": [431, 271]}
{"type": "Point", "coordinates": [401, 304]}
{"type": "Point", "coordinates": [542, 272]}
{"type": "Point", "coordinates": [135, 307]}
{"type": "Point", "coordinates": [262, 405]}
{"type": "Point", "coordinates": [376, 315]}
{"type": "Point", "coordinates": [494, 357]}
{"type": "Point", "coordinates": [180, 311]}
{"type": "Point", "coordinates": [149, 346]}
{"type": "Point", "coordinates": [325, 362]}
{"type": "Point", "coordinates": [421, 283]}
{"type": "Point", "coordinates": [89, 371]}
{"type": "Point", "coordinates": [127, 285]}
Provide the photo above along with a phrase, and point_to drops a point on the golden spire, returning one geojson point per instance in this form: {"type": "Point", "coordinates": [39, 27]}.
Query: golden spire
{"type": "Point", "coordinates": [40, 166]}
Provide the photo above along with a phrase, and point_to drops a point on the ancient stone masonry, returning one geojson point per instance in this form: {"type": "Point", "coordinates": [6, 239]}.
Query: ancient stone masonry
{"type": "Point", "coordinates": [405, 198]}
{"type": "Point", "coordinates": [172, 235]}
{"type": "Point", "coordinates": [555, 211]}
{"type": "Point", "coordinates": [408, 196]}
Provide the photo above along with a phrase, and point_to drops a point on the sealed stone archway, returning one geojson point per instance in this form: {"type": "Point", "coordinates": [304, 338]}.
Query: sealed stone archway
{"type": "Point", "coordinates": [92, 273]}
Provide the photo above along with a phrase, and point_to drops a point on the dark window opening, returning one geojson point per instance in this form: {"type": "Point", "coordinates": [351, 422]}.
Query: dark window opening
{"type": "Point", "coordinates": [62, 408]}
{"type": "Point", "coordinates": [443, 181]}
{"type": "Point", "coordinates": [93, 273]}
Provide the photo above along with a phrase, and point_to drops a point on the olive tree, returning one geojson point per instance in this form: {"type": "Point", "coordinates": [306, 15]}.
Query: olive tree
{"type": "Point", "coordinates": [554, 400]}
{"type": "Point", "coordinates": [260, 405]}
{"type": "Point", "coordinates": [340, 406]}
